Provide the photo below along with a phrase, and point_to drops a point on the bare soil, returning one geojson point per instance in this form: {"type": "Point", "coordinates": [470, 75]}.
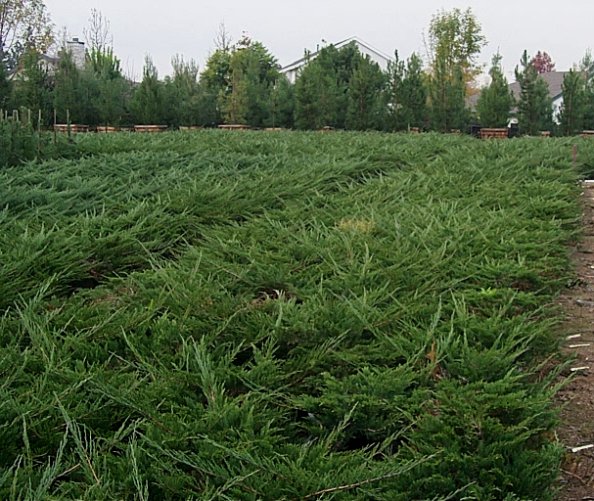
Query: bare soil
{"type": "Point", "coordinates": [577, 397]}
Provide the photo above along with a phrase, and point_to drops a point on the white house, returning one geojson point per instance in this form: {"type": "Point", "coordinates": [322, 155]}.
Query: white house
{"type": "Point", "coordinates": [292, 70]}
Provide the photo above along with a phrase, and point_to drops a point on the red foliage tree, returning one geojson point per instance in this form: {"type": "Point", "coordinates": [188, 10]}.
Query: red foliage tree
{"type": "Point", "coordinates": [543, 62]}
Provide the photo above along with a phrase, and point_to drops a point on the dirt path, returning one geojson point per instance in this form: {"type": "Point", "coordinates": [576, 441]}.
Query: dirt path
{"type": "Point", "coordinates": [577, 430]}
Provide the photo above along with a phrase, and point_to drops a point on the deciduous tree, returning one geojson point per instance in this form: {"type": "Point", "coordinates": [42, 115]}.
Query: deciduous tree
{"type": "Point", "coordinates": [24, 26]}
{"type": "Point", "coordinates": [542, 62]}
{"type": "Point", "coordinates": [455, 40]}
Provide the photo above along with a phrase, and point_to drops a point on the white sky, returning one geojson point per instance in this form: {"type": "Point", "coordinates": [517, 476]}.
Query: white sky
{"type": "Point", "coordinates": [286, 28]}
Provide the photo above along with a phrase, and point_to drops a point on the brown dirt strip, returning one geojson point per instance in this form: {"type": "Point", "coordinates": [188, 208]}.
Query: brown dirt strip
{"type": "Point", "coordinates": [577, 398]}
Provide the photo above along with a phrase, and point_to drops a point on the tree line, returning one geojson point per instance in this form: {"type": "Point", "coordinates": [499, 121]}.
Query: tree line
{"type": "Point", "coordinates": [241, 83]}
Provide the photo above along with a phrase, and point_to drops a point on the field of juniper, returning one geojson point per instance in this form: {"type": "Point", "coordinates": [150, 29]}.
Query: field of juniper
{"type": "Point", "coordinates": [281, 316]}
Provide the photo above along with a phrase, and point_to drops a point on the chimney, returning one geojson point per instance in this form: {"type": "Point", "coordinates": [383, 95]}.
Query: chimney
{"type": "Point", "coordinates": [77, 50]}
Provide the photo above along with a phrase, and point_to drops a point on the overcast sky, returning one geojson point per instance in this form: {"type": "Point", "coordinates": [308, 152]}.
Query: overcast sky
{"type": "Point", "coordinates": [286, 28]}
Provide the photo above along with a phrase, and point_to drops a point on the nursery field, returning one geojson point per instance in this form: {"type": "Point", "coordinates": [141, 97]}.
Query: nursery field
{"type": "Point", "coordinates": [249, 316]}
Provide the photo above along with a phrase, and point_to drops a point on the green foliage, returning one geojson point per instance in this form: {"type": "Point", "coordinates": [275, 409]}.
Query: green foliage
{"type": "Point", "coordinates": [496, 101]}
{"type": "Point", "coordinates": [24, 26]}
{"type": "Point", "coordinates": [322, 91]}
{"type": "Point", "coordinates": [455, 40]}
{"type": "Point", "coordinates": [147, 103]}
{"type": "Point", "coordinates": [182, 93]}
{"type": "Point", "coordinates": [282, 104]}
{"type": "Point", "coordinates": [316, 97]}
{"type": "Point", "coordinates": [69, 97]}
{"type": "Point", "coordinates": [448, 99]}
{"type": "Point", "coordinates": [535, 108]}
{"type": "Point", "coordinates": [108, 90]}
{"type": "Point", "coordinates": [33, 88]}
{"type": "Point", "coordinates": [283, 316]}
{"type": "Point", "coordinates": [18, 142]}
{"type": "Point", "coordinates": [407, 94]}
{"type": "Point", "coordinates": [587, 68]}
{"type": "Point", "coordinates": [242, 78]}
{"type": "Point", "coordinates": [366, 108]}
{"type": "Point", "coordinates": [5, 86]}
{"type": "Point", "coordinates": [572, 111]}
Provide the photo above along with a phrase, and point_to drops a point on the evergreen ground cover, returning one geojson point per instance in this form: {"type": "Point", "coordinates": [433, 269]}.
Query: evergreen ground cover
{"type": "Point", "coordinates": [288, 316]}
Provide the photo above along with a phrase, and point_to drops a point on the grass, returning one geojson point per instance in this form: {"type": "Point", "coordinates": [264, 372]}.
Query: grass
{"type": "Point", "coordinates": [299, 316]}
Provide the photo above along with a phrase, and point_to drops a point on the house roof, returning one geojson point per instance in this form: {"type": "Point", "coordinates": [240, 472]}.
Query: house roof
{"type": "Point", "coordinates": [342, 43]}
{"type": "Point", "coordinates": [554, 80]}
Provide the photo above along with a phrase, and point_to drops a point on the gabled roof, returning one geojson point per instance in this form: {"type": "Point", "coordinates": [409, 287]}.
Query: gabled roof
{"type": "Point", "coordinates": [554, 80]}
{"type": "Point", "coordinates": [343, 43]}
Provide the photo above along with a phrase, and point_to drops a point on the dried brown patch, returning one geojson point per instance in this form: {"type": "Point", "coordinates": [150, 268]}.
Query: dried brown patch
{"type": "Point", "coordinates": [354, 224]}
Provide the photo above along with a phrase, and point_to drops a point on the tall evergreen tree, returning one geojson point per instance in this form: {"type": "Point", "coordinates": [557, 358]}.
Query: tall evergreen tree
{"type": "Point", "coordinates": [282, 104]}
{"type": "Point", "coordinates": [242, 77]}
{"type": "Point", "coordinates": [322, 89]}
{"type": "Point", "coordinates": [5, 86]}
{"type": "Point", "coordinates": [113, 90]}
{"type": "Point", "coordinates": [316, 97]}
{"type": "Point", "coordinates": [69, 101]}
{"type": "Point", "coordinates": [182, 92]}
{"type": "Point", "coordinates": [407, 94]}
{"type": "Point", "coordinates": [535, 107]}
{"type": "Point", "coordinates": [148, 99]}
{"type": "Point", "coordinates": [235, 103]}
{"type": "Point", "coordinates": [496, 101]}
{"type": "Point", "coordinates": [448, 97]}
{"type": "Point", "coordinates": [572, 111]}
{"type": "Point", "coordinates": [587, 69]}
{"type": "Point", "coordinates": [365, 109]}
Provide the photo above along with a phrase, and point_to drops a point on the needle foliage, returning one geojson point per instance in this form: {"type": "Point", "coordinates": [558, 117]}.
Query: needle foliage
{"type": "Point", "coordinates": [290, 316]}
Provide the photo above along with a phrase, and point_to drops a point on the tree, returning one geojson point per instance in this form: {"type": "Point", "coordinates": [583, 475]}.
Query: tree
{"type": "Point", "coordinates": [98, 35]}
{"type": "Point", "coordinates": [235, 102]}
{"type": "Point", "coordinates": [182, 92]}
{"type": "Point", "coordinates": [496, 100]}
{"type": "Point", "coordinates": [365, 110]}
{"type": "Point", "coordinates": [455, 40]}
{"type": "Point", "coordinates": [316, 97]}
{"type": "Point", "coordinates": [5, 87]}
{"type": "Point", "coordinates": [587, 69]}
{"type": "Point", "coordinates": [241, 78]}
{"type": "Point", "coordinates": [260, 73]}
{"type": "Point", "coordinates": [108, 90]}
{"type": "Point", "coordinates": [448, 99]}
{"type": "Point", "coordinates": [282, 104]}
{"type": "Point", "coordinates": [147, 101]}
{"type": "Point", "coordinates": [535, 107]}
{"type": "Point", "coordinates": [215, 80]}
{"type": "Point", "coordinates": [322, 89]}
{"type": "Point", "coordinates": [33, 87]}
{"type": "Point", "coordinates": [571, 118]}
{"type": "Point", "coordinates": [68, 97]}
{"type": "Point", "coordinates": [543, 63]}
{"type": "Point", "coordinates": [407, 93]}
{"type": "Point", "coordinates": [24, 26]}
